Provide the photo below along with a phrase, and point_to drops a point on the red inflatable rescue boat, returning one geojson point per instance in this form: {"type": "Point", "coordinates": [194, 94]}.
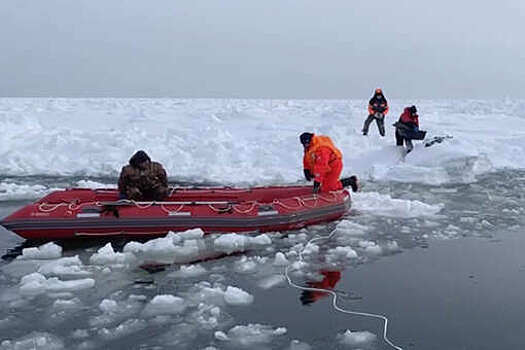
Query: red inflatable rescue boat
{"type": "Point", "coordinates": [76, 212]}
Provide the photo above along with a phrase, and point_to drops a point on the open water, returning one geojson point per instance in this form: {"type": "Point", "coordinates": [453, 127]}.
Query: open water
{"type": "Point", "coordinates": [455, 281]}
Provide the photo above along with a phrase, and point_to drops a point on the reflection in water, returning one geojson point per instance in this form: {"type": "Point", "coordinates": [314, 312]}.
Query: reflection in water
{"type": "Point", "coordinates": [330, 279]}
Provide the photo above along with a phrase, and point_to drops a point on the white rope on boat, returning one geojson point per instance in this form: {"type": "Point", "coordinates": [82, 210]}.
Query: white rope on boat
{"type": "Point", "coordinates": [334, 294]}
{"type": "Point", "coordinates": [278, 202]}
{"type": "Point", "coordinates": [246, 211]}
{"type": "Point", "coordinates": [53, 207]}
{"type": "Point", "coordinates": [302, 202]}
{"type": "Point", "coordinates": [163, 207]}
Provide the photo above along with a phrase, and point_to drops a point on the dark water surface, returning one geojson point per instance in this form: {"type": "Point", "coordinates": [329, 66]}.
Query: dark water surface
{"type": "Point", "coordinates": [457, 283]}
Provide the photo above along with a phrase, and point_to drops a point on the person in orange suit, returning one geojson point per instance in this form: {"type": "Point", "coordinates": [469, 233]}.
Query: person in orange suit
{"type": "Point", "coordinates": [323, 163]}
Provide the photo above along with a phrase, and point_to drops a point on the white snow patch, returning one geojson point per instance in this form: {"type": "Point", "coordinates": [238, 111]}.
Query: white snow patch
{"type": "Point", "coordinates": [10, 191]}
{"type": "Point", "coordinates": [94, 184]}
{"type": "Point", "coordinates": [42, 131]}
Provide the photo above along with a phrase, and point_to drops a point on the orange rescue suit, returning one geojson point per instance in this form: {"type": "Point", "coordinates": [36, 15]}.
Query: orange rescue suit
{"type": "Point", "coordinates": [325, 162]}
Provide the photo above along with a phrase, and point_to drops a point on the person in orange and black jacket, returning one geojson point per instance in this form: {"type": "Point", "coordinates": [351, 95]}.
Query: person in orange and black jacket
{"type": "Point", "coordinates": [408, 123]}
{"type": "Point", "coordinates": [377, 109]}
{"type": "Point", "coordinates": [323, 163]}
{"type": "Point", "coordinates": [143, 180]}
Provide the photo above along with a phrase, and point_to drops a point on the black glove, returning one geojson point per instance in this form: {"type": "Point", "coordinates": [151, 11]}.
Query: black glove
{"type": "Point", "coordinates": [308, 174]}
{"type": "Point", "coordinates": [317, 186]}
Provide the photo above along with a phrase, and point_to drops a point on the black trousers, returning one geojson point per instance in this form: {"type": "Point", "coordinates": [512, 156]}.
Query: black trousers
{"type": "Point", "coordinates": [400, 140]}
{"type": "Point", "coordinates": [379, 121]}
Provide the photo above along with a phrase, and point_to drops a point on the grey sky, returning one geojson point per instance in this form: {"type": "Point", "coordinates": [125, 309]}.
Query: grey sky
{"type": "Point", "coordinates": [268, 49]}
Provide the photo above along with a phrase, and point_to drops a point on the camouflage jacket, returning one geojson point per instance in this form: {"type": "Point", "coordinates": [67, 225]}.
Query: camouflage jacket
{"type": "Point", "coordinates": [144, 185]}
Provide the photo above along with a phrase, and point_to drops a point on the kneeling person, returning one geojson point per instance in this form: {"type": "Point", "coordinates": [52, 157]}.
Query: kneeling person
{"type": "Point", "coordinates": [143, 180]}
{"type": "Point", "coordinates": [323, 163]}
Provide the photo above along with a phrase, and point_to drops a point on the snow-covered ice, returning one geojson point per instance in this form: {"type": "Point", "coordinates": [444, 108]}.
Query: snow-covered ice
{"type": "Point", "coordinates": [234, 141]}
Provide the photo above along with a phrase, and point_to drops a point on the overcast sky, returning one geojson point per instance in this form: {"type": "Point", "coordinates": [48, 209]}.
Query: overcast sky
{"type": "Point", "coordinates": [266, 49]}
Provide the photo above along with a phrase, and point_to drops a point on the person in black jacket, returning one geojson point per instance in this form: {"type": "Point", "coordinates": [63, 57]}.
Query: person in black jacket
{"type": "Point", "coordinates": [377, 109]}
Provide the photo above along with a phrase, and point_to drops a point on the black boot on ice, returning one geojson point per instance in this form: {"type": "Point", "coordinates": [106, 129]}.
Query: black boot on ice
{"type": "Point", "coordinates": [352, 182]}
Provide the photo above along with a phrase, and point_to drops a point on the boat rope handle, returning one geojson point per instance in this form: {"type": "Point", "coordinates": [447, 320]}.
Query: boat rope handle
{"type": "Point", "coordinates": [315, 198]}
{"type": "Point", "coordinates": [163, 207]}
{"type": "Point", "coordinates": [53, 207]}
{"type": "Point", "coordinates": [240, 211]}
{"type": "Point", "coordinates": [220, 210]}
{"type": "Point", "coordinates": [278, 202]}
{"type": "Point", "coordinates": [140, 206]}
{"type": "Point", "coordinates": [334, 294]}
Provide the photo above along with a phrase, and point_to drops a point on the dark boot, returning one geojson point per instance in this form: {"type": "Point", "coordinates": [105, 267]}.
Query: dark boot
{"type": "Point", "coordinates": [410, 146]}
{"type": "Point", "coordinates": [352, 182]}
{"type": "Point", "coordinates": [381, 126]}
{"type": "Point", "coordinates": [367, 124]}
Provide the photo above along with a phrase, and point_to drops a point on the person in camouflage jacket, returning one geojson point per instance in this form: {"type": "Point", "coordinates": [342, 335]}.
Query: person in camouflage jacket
{"type": "Point", "coordinates": [143, 180]}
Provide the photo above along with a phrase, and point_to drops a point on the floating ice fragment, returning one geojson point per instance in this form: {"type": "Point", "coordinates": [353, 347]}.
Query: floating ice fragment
{"type": "Point", "coordinates": [340, 253]}
{"type": "Point", "coordinates": [107, 256]}
{"type": "Point", "coordinates": [350, 338]}
{"type": "Point", "coordinates": [108, 306]}
{"type": "Point", "coordinates": [189, 271]}
{"type": "Point", "coordinates": [47, 251]}
{"type": "Point", "coordinates": [125, 328]}
{"type": "Point", "coordinates": [237, 296]}
{"type": "Point", "coordinates": [271, 281]}
{"type": "Point", "coordinates": [35, 283]}
{"type": "Point", "coordinates": [66, 304]}
{"type": "Point", "coordinates": [252, 334]}
{"type": "Point", "coordinates": [297, 345]}
{"type": "Point", "coordinates": [347, 227]}
{"type": "Point", "coordinates": [232, 242]}
{"type": "Point", "coordinates": [280, 260]}
{"type": "Point", "coordinates": [68, 266]}
{"type": "Point", "coordinates": [384, 205]}
{"type": "Point", "coordinates": [164, 305]}
{"type": "Point", "coordinates": [35, 340]}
